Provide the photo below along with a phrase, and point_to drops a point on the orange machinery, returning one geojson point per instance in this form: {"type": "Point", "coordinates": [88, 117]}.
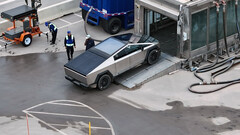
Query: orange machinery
{"type": "Point", "coordinates": [25, 33]}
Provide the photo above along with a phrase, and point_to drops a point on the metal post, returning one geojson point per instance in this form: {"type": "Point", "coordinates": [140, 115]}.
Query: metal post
{"type": "Point", "coordinates": [27, 124]}
{"type": "Point", "coordinates": [89, 128]}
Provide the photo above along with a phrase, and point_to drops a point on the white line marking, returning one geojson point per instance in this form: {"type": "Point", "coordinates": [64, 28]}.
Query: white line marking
{"type": "Point", "coordinates": [45, 123]}
{"type": "Point", "coordinates": [2, 41]}
{"type": "Point", "coordinates": [6, 2]}
{"type": "Point", "coordinates": [54, 5]}
{"type": "Point", "coordinates": [35, 106]}
{"type": "Point", "coordinates": [129, 103]}
{"type": "Point", "coordinates": [62, 125]}
{"type": "Point", "coordinates": [56, 101]}
{"type": "Point", "coordinates": [60, 114]}
{"type": "Point", "coordinates": [59, 125]}
{"type": "Point", "coordinates": [70, 24]}
{"type": "Point", "coordinates": [67, 104]}
{"type": "Point", "coordinates": [65, 21]}
{"type": "Point", "coordinates": [78, 15]}
{"type": "Point", "coordinates": [3, 21]}
{"type": "Point", "coordinates": [101, 128]}
{"type": "Point", "coordinates": [71, 101]}
{"type": "Point", "coordinates": [67, 25]}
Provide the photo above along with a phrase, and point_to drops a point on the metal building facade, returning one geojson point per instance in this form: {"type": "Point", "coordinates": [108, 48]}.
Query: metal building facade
{"type": "Point", "coordinates": [193, 24]}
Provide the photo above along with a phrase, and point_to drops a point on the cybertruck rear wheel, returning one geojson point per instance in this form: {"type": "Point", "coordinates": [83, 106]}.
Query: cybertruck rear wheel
{"type": "Point", "coordinates": [104, 82]}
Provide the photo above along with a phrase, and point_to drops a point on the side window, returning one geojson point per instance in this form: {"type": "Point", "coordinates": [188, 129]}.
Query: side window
{"type": "Point", "coordinates": [128, 50]}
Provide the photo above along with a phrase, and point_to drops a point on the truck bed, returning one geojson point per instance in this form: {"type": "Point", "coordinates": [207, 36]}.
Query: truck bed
{"type": "Point", "coordinates": [85, 63]}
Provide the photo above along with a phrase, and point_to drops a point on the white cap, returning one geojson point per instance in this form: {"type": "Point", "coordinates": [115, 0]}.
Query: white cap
{"type": "Point", "coordinates": [88, 36]}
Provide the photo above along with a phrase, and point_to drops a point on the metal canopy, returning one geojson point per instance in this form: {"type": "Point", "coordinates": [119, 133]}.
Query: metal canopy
{"type": "Point", "coordinates": [18, 13]}
{"type": "Point", "coordinates": [162, 7]}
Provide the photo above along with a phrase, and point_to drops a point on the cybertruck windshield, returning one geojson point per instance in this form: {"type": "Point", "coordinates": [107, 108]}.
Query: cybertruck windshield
{"type": "Point", "coordinates": [109, 46]}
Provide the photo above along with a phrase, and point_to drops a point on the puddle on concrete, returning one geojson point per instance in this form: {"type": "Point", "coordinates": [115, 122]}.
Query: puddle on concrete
{"type": "Point", "coordinates": [200, 118]}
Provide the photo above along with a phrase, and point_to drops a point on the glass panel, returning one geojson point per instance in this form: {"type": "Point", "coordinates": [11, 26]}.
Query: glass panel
{"type": "Point", "coordinates": [231, 18]}
{"type": "Point", "coordinates": [128, 50]}
{"type": "Point", "coordinates": [110, 46]}
{"type": "Point", "coordinates": [199, 29]}
{"type": "Point", "coordinates": [146, 22]}
{"type": "Point", "coordinates": [231, 21]}
{"type": "Point", "coordinates": [212, 27]}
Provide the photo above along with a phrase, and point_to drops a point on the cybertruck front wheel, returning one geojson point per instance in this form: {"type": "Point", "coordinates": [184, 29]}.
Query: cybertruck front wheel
{"type": "Point", "coordinates": [153, 56]}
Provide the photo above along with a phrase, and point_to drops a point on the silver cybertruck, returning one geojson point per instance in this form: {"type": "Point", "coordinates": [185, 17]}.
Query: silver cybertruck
{"type": "Point", "coordinates": [98, 66]}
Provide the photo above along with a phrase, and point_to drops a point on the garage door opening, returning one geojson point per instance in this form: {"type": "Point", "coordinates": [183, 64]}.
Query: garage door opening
{"type": "Point", "coordinates": [162, 28]}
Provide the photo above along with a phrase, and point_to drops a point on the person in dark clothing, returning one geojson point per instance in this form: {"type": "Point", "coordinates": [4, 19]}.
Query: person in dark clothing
{"type": "Point", "coordinates": [89, 42]}
{"type": "Point", "coordinates": [69, 43]}
{"type": "Point", "coordinates": [53, 29]}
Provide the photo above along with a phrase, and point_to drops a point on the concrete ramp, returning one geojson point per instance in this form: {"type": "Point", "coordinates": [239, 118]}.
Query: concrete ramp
{"type": "Point", "coordinates": [145, 73]}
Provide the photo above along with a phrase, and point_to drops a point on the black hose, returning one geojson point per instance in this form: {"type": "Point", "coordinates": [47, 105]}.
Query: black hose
{"type": "Point", "coordinates": [215, 90]}
{"type": "Point", "coordinates": [85, 24]}
{"type": "Point", "coordinates": [233, 61]}
{"type": "Point", "coordinates": [209, 67]}
{"type": "Point", "coordinates": [216, 64]}
{"type": "Point", "coordinates": [237, 24]}
{"type": "Point", "coordinates": [217, 35]}
{"type": "Point", "coordinates": [224, 27]}
{"type": "Point", "coordinates": [222, 71]}
{"type": "Point", "coordinates": [236, 14]}
{"type": "Point", "coordinates": [228, 60]}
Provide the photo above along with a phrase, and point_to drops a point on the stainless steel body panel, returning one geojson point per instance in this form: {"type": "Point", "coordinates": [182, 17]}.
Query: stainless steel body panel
{"type": "Point", "coordinates": [113, 65]}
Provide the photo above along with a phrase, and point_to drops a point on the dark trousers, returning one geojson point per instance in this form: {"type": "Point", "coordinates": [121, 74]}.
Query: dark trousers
{"type": "Point", "coordinates": [70, 51]}
{"type": "Point", "coordinates": [54, 36]}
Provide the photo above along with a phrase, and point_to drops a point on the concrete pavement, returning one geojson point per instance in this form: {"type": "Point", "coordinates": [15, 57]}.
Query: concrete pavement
{"type": "Point", "coordinates": [161, 106]}
{"type": "Point", "coordinates": [73, 22]}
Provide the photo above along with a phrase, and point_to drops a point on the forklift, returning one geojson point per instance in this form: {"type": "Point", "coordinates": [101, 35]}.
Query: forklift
{"type": "Point", "coordinates": [29, 17]}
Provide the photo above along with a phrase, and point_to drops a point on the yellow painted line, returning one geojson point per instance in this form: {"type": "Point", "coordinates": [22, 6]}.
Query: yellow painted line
{"type": "Point", "coordinates": [89, 128]}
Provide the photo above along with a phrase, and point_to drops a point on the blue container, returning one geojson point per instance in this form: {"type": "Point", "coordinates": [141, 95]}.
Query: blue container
{"type": "Point", "coordinates": [111, 14]}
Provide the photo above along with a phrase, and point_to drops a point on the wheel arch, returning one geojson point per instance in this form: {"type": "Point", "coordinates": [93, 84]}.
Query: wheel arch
{"type": "Point", "coordinates": [23, 35]}
{"type": "Point", "coordinates": [103, 73]}
{"type": "Point", "coordinates": [150, 49]}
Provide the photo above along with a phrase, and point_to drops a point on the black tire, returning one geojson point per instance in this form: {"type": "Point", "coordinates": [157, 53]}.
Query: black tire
{"type": "Point", "coordinates": [27, 40]}
{"type": "Point", "coordinates": [113, 26]}
{"type": "Point", "coordinates": [104, 82]}
{"type": "Point", "coordinates": [84, 13]}
{"type": "Point", "coordinates": [153, 56]}
{"type": "Point", "coordinates": [104, 24]}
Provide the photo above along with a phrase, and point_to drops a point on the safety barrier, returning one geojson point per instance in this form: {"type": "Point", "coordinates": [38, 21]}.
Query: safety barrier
{"type": "Point", "coordinates": [58, 10]}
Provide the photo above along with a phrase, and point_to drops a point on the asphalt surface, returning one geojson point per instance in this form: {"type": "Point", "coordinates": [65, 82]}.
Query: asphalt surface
{"type": "Point", "coordinates": [162, 106]}
{"type": "Point", "coordinates": [29, 80]}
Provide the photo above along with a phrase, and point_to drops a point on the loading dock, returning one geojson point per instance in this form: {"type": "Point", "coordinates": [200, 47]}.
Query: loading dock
{"type": "Point", "coordinates": [194, 27]}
